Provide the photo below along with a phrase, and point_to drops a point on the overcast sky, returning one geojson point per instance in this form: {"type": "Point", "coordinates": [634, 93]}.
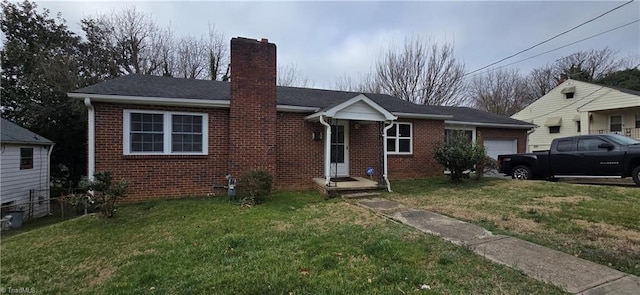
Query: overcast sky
{"type": "Point", "coordinates": [326, 40]}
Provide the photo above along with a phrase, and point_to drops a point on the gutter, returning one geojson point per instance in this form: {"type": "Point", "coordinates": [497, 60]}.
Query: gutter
{"type": "Point", "coordinates": [152, 100]}
{"type": "Point", "coordinates": [91, 169]}
{"type": "Point", "coordinates": [512, 126]}
{"type": "Point", "coordinates": [421, 116]}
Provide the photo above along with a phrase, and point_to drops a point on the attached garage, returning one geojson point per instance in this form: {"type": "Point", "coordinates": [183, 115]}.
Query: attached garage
{"type": "Point", "coordinates": [497, 147]}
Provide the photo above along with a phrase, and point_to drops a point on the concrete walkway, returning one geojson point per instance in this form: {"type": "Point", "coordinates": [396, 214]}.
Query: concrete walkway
{"type": "Point", "coordinates": [573, 274]}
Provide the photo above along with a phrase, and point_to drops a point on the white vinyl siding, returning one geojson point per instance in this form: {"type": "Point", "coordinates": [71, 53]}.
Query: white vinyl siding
{"type": "Point", "coordinates": [589, 98]}
{"type": "Point", "coordinates": [16, 183]}
{"type": "Point", "coordinates": [157, 132]}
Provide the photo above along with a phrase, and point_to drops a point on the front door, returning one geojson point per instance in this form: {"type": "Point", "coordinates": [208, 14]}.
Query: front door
{"type": "Point", "coordinates": [340, 149]}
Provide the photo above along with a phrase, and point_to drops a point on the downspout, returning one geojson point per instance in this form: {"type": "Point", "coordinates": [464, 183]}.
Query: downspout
{"type": "Point", "coordinates": [49, 178]}
{"type": "Point", "coordinates": [384, 147]}
{"type": "Point", "coordinates": [526, 141]}
{"type": "Point", "coordinates": [91, 169]}
{"type": "Point", "coordinates": [327, 152]}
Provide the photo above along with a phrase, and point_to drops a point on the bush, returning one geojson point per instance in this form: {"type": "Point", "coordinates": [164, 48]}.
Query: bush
{"type": "Point", "coordinates": [459, 155]}
{"type": "Point", "coordinates": [257, 186]}
{"type": "Point", "coordinates": [485, 165]}
{"type": "Point", "coordinates": [101, 193]}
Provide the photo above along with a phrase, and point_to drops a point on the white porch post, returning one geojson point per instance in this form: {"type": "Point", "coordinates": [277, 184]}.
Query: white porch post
{"type": "Point", "coordinates": [585, 124]}
{"type": "Point", "coordinates": [385, 161]}
{"type": "Point", "coordinates": [327, 152]}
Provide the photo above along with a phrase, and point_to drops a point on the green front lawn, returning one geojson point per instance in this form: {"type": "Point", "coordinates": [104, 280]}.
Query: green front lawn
{"type": "Point", "coordinates": [296, 243]}
{"type": "Point", "coordinates": [598, 223]}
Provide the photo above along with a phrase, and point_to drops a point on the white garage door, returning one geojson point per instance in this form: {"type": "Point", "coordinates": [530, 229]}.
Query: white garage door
{"type": "Point", "coordinates": [497, 147]}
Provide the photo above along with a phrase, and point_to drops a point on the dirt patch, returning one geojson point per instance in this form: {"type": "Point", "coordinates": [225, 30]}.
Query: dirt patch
{"type": "Point", "coordinates": [281, 226]}
{"type": "Point", "coordinates": [539, 208]}
{"type": "Point", "coordinates": [517, 224]}
{"type": "Point", "coordinates": [568, 200]}
{"type": "Point", "coordinates": [608, 229]}
{"type": "Point", "coordinates": [147, 251]}
{"type": "Point", "coordinates": [98, 270]}
{"type": "Point", "coordinates": [104, 275]}
{"type": "Point", "coordinates": [506, 222]}
{"type": "Point", "coordinates": [327, 216]}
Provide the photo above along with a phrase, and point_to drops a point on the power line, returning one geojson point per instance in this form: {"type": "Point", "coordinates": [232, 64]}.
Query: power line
{"type": "Point", "coordinates": [558, 48]}
{"type": "Point", "coordinates": [545, 41]}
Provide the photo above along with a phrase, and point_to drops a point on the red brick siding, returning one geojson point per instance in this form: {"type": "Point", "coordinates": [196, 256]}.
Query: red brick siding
{"type": "Point", "coordinates": [497, 133]}
{"type": "Point", "coordinates": [426, 133]}
{"type": "Point", "coordinates": [159, 176]}
{"type": "Point", "coordinates": [365, 146]}
{"type": "Point", "coordinates": [252, 119]}
{"type": "Point", "coordinates": [300, 158]}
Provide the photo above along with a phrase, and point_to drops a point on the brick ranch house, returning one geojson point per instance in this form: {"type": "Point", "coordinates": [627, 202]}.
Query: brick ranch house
{"type": "Point", "coordinates": [175, 137]}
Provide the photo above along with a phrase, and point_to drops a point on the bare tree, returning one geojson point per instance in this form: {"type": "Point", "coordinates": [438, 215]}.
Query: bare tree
{"type": "Point", "coordinates": [365, 84]}
{"type": "Point", "coordinates": [167, 53]}
{"type": "Point", "coordinates": [217, 54]}
{"type": "Point", "coordinates": [423, 72]}
{"type": "Point", "coordinates": [589, 65]}
{"type": "Point", "coordinates": [191, 58]}
{"type": "Point", "coordinates": [539, 82]}
{"type": "Point", "coordinates": [137, 39]}
{"type": "Point", "coordinates": [501, 91]}
{"type": "Point", "coordinates": [289, 75]}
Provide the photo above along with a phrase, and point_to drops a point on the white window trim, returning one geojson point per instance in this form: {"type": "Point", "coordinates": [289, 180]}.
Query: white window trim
{"type": "Point", "coordinates": [126, 133]}
{"type": "Point", "coordinates": [472, 129]}
{"type": "Point", "coordinates": [621, 122]}
{"type": "Point", "coordinates": [397, 141]}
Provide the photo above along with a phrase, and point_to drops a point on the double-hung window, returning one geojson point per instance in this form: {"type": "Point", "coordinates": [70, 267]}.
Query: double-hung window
{"type": "Point", "coordinates": [26, 158]}
{"type": "Point", "coordinates": [400, 138]}
{"type": "Point", "coordinates": [157, 132]}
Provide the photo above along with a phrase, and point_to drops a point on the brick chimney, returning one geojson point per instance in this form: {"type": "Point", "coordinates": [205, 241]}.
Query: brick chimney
{"type": "Point", "coordinates": [252, 117]}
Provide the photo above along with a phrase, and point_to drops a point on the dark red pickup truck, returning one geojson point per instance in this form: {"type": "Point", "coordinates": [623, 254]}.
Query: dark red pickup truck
{"type": "Point", "coordinates": [584, 156]}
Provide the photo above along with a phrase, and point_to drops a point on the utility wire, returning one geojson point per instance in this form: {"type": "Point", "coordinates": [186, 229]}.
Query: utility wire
{"type": "Point", "coordinates": [556, 36]}
{"type": "Point", "coordinates": [558, 48]}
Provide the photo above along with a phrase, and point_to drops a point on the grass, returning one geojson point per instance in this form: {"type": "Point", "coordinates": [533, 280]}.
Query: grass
{"type": "Point", "coordinates": [598, 223]}
{"type": "Point", "coordinates": [296, 243]}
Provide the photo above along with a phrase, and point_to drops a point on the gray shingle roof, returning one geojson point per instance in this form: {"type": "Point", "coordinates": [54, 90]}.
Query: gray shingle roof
{"type": "Point", "coordinates": [167, 87]}
{"type": "Point", "coordinates": [12, 133]}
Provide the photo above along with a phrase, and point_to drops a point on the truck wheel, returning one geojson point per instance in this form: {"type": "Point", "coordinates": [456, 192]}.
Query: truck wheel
{"type": "Point", "coordinates": [636, 175]}
{"type": "Point", "coordinates": [521, 172]}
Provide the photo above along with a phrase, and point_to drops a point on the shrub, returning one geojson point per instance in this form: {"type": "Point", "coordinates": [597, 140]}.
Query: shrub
{"type": "Point", "coordinates": [485, 165]}
{"type": "Point", "coordinates": [458, 155]}
{"type": "Point", "coordinates": [257, 186]}
{"type": "Point", "coordinates": [102, 193]}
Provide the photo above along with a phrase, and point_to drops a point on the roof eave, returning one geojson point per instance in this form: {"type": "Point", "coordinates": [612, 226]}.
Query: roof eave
{"type": "Point", "coordinates": [166, 101]}
{"type": "Point", "coordinates": [498, 125]}
{"type": "Point", "coordinates": [296, 109]}
{"type": "Point", "coordinates": [422, 116]}
{"type": "Point", "coordinates": [26, 142]}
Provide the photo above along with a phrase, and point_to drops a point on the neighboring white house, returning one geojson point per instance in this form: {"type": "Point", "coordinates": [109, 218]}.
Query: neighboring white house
{"type": "Point", "coordinates": [576, 107]}
{"type": "Point", "coordinates": [24, 166]}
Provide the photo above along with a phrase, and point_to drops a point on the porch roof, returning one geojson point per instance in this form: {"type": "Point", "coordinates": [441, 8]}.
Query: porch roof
{"type": "Point", "coordinates": [359, 107]}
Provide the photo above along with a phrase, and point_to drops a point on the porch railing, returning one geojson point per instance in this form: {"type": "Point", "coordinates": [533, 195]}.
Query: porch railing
{"type": "Point", "coordinates": [631, 132]}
